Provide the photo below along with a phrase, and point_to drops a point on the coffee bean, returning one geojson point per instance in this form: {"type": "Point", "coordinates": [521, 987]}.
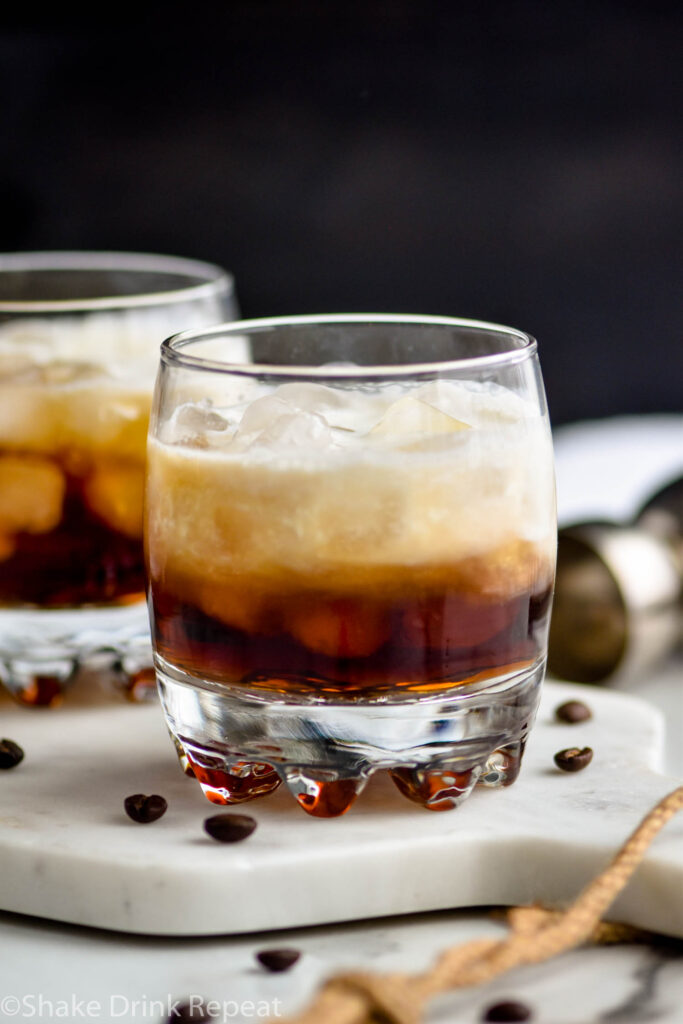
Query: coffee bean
{"type": "Point", "coordinates": [144, 809]}
{"type": "Point", "coordinates": [508, 1011]}
{"type": "Point", "coordinates": [572, 712]}
{"type": "Point", "coordinates": [573, 759]}
{"type": "Point", "coordinates": [10, 754]}
{"type": "Point", "coordinates": [229, 828]}
{"type": "Point", "coordinates": [277, 960]}
{"type": "Point", "coordinates": [185, 1012]}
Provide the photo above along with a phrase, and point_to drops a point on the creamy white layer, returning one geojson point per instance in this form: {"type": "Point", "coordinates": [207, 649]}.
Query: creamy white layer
{"type": "Point", "coordinates": [317, 480]}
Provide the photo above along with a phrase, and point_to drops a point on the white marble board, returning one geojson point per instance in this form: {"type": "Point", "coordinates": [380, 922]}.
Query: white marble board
{"type": "Point", "coordinates": [68, 851]}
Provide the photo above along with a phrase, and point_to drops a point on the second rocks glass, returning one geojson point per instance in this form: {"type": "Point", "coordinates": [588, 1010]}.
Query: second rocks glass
{"type": "Point", "coordinates": [79, 346]}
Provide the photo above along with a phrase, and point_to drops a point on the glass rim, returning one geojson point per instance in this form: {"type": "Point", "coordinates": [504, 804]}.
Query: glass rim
{"type": "Point", "coordinates": [210, 278]}
{"type": "Point", "coordinates": [173, 354]}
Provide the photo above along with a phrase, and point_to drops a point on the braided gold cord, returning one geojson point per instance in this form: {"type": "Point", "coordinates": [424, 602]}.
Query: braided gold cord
{"type": "Point", "coordinates": [536, 935]}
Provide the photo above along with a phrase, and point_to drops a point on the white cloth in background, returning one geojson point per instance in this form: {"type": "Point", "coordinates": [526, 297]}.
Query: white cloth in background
{"type": "Point", "coordinates": [608, 469]}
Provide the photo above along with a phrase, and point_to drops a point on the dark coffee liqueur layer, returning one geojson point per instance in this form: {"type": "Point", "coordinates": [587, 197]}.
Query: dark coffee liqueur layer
{"type": "Point", "coordinates": [81, 561]}
{"type": "Point", "coordinates": [335, 644]}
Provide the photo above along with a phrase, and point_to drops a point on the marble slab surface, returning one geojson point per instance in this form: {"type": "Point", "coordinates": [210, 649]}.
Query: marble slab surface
{"type": "Point", "coordinates": [68, 852]}
{"type": "Point", "coordinates": [132, 978]}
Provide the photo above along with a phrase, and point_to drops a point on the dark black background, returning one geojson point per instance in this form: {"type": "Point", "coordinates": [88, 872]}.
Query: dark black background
{"type": "Point", "coordinates": [513, 161]}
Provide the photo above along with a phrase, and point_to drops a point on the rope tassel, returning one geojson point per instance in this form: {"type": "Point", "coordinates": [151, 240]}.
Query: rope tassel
{"type": "Point", "coordinates": [536, 935]}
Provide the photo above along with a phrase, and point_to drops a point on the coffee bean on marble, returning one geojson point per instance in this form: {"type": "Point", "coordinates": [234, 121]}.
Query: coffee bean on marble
{"type": "Point", "coordinates": [507, 1012]}
{"type": "Point", "coordinates": [572, 712]}
{"type": "Point", "coordinates": [11, 754]}
{"type": "Point", "coordinates": [573, 759]}
{"type": "Point", "coordinates": [145, 809]}
{"type": "Point", "coordinates": [229, 828]}
{"type": "Point", "coordinates": [277, 960]}
{"type": "Point", "coordinates": [194, 1011]}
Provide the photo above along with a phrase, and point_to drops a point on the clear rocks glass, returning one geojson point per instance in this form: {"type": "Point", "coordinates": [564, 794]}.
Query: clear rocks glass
{"type": "Point", "coordinates": [79, 347]}
{"type": "Point", "coordinates": [351, 544]}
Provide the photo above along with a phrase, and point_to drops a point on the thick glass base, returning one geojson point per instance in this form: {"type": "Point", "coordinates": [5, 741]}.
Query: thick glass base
{"type": "Point", "coordinates": [241, 743]}
{"type": "Point", "coordinates": [42, 650]}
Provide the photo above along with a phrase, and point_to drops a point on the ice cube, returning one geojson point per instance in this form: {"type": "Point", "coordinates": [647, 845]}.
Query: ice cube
{"type": "Point", "coordinates": [198, 416]}
{"type": "Point", "coordinates": [295, 430]}
{"type": "Point", "coordinates": [111, 419]}
{"type": "Point", "coordinates": [31, 494]}
{"type": "Point", "coordinates": [342, 409]}
{"type": "Point", "coordinates": [262, 413]}
{"type": "Point", "coordinates": [240, 610]}
{"type": "Point", "coordinates": [409, 417]}
{"type": "Point", "coordinates": [310, 397]}
{"type": "Point", "coordinates": [272, 422]}
{"type": "Point", "coordinates": [480, 403]}
{"type": "Point", "coordinates": [115, 493]}
{"type": "Point", "coordinates": [343, 628]}
{"type": "Point", "coordinates": [196, 424]}
{"type": "Point", "coordinates": [92, 418]}
{"type": "Point", "coordinates": [27, 419]}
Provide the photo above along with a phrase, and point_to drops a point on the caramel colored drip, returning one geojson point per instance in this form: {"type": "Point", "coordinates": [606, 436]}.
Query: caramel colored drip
{"type": "Point", "coordinates": [437, 790]}
{"type": "Point", "coordinates": [41, 692]}
{"type": "Point", "coordinates": [244, 782]}
{"type": "Point", "coordinates": [329, 799]}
